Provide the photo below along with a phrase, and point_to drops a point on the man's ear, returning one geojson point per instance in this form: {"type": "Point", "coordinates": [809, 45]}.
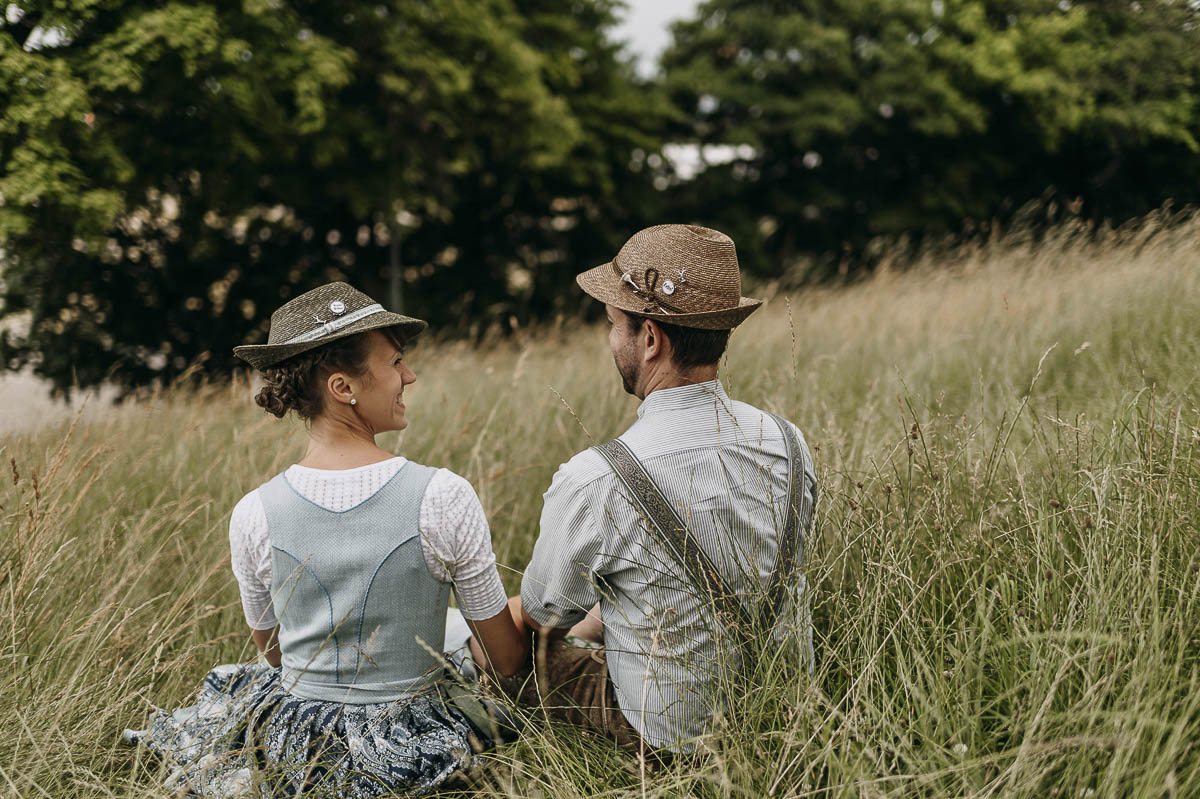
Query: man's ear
{"type": "Point", "coordinates": [339, 388]}
{"type": "Point", "coordinates": [655, 343]}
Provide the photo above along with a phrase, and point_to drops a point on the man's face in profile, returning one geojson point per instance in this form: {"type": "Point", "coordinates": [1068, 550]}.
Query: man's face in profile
{"type": "Point", "coordinates": [623, 343]}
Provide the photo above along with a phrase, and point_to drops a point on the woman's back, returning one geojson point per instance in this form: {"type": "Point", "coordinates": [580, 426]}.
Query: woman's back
{"type": "Point", "coordinates": [454, 534]}
{"type": "Point", "coordinates": [360, 615]}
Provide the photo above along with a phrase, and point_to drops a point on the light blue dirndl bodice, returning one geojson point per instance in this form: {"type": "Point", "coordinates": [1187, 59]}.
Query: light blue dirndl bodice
{"type": "Point", "coordinates": [361, 619]}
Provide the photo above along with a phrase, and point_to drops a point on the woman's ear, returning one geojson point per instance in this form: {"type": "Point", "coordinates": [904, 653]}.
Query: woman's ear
{"type": "Point", "coordinates": [339, 388]}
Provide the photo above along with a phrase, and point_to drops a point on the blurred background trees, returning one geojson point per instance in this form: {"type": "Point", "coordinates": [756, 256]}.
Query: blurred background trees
{"type": "Point", "coordinates": [171, 173]}
{"type": "Point", "coordinates": [874, 118]}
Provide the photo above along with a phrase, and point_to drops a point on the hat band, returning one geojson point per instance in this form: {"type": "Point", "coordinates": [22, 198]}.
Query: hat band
{"type": "Point", "coordinates": [337, 324]}
{"type": "Point", "coordinates": [646, 294]}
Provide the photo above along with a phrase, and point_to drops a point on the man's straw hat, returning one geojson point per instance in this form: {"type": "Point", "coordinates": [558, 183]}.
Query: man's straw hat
{"type": "Point", "coordinates": [325, 314]}
{"type": "Point", "coordinates": [682, 274]}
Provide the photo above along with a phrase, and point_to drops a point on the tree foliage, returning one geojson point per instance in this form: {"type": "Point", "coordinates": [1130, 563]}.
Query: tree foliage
{"type": "Point", "coordinates": [872, 118]}
{"type": "Point", "coordinates": [169, 174]}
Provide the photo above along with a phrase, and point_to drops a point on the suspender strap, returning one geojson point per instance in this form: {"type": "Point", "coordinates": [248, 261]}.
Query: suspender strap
{"type": "Point", "coordinates": [671, 530]}
{"type": "Point", "coordinates": [673, 534]}
{"type": "Point", "coordinates": [791, 543]}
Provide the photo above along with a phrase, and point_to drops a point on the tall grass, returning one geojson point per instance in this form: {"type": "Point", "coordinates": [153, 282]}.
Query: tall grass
{"type": "Point", "coordinates": [1006, 561]}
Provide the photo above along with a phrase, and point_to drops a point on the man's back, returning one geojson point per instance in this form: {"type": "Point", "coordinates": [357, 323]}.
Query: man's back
{"type": "Point", "coordinates": [723, 464]}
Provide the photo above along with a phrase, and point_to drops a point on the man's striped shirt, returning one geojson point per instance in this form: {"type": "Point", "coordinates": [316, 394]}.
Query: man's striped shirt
{"type": "Point", "coordinates": [724, 466]}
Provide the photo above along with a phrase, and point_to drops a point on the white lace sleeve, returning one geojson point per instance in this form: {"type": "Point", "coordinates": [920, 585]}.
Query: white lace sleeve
{"type": "Point", "coordinates": [250, 556]}
{"type": "Point", "coordinates": [458, 545]}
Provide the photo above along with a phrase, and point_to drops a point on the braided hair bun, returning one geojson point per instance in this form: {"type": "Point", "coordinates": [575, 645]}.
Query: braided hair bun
{"type": "Point", "coordinates": [295, 384]}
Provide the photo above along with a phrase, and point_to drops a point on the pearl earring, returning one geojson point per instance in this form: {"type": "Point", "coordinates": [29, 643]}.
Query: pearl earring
{"type": "Point", "coordinates": [353, 401]}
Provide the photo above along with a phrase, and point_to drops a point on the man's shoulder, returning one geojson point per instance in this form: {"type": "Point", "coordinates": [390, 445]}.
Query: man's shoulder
{"type": "Point", "coordinates": [745, 412]}
{"type": "Point", "coordinates": [762, 428]}
{"type": "Point", "coordinates": [583, 469]}
{"type": "Point", "coordinates": [729, 423]}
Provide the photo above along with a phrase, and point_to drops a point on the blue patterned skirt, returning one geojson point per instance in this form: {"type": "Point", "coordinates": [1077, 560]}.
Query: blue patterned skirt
{"type": "Point", "coordinates": [246, 736]}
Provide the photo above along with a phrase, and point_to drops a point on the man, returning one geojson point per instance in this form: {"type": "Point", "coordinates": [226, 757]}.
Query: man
{"type": "Point", "coordinates": [672, 296]}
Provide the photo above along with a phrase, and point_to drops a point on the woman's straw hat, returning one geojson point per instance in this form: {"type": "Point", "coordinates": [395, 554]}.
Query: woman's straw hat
{"type": "Point", "coordinates": [325, 314]}
{"type": "Point", "coordinates": [682, 274]}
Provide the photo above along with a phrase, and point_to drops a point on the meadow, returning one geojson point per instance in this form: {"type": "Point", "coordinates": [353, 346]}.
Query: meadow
{"type": "Point", "coordinates": [1005, 562]}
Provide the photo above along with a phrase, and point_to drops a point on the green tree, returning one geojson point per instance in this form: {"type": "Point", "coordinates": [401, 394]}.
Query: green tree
{"type": "Point", "coordinates": [168, 175]}
{"type": "Point", "coordinates": [873, 118]}
{"type": "Point", "coordinates": [518, 236]}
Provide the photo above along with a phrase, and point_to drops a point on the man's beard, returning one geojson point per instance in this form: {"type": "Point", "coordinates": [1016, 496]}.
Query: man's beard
{"type": "Point", "coordinates": [629, 372]}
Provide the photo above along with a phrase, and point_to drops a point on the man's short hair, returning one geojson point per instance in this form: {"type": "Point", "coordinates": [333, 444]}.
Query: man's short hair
{"type": "Point", "coordinates": [692, 346]}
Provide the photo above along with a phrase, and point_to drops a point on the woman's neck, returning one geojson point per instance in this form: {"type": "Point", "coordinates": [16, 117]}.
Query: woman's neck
{"type": "Point", "coordinates": [341, 444]}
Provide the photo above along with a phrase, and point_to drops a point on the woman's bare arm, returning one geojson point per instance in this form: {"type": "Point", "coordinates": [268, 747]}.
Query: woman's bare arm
{"type": "Point", "coordinates": [267, 642]}
{"type": "Point", "coordinates": [499, 644]}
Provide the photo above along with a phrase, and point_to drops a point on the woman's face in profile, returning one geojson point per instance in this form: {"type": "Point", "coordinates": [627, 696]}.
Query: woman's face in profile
{"type": "Point", "coordinates": [381, 389]}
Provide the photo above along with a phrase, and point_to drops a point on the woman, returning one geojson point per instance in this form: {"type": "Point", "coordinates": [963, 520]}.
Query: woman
{"type": "Point", "coordinates": [345, 562]}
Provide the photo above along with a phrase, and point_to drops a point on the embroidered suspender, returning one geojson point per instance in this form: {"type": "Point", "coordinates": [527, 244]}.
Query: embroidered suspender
{"type": "Point", "coordinates": [791, 548]}
{"type": "Point", "coordinates": [672, 532]}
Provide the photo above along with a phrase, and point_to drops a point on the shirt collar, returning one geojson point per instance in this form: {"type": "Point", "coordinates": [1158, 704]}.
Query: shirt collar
{"type": "Point", "coordinates": [670, 400]}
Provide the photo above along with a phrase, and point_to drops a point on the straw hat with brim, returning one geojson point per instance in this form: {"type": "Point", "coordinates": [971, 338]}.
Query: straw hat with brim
{"type": "Point", "coordinates": [325, 314]}
{"type": "Point", "coordinates": [682, 274]}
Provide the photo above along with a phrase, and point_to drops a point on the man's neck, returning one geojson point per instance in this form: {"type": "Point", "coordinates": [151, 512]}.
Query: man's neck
{"type": "Point", "coordinates": [673, 378]}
